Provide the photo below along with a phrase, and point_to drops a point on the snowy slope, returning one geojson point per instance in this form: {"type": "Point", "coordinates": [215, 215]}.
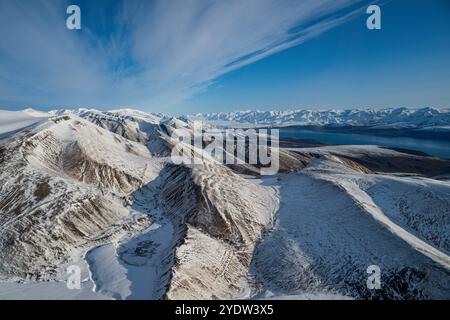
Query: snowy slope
{"type": "Point", "coordinates": [61, 187]}
{"type": "Point", "coordinates": [325, 246]}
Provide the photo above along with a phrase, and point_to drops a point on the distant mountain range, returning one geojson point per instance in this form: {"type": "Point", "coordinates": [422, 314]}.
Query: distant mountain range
{"type": "Point", "coordinates": [381, 118]}
{"type": "Point", "coordinates": [423, 120]}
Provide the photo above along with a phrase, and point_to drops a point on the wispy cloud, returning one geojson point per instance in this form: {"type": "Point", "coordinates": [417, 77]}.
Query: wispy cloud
{"type": "Point", "coordinates": [149, 54]}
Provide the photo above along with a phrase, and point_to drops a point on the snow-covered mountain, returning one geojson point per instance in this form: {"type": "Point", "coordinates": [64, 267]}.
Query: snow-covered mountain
{"type": "Point", "coordinates": [77, 185]}
{"type": "Point", "coordinates": [98, 190]}
{"type": "Point", "coordinates": [382, 118]}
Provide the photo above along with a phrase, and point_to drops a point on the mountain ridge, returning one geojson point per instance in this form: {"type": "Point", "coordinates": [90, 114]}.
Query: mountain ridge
{"type": "Point", "coordinates": [381, 118]}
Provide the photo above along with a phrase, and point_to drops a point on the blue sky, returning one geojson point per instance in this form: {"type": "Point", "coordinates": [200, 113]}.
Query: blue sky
{"type": "Point", "coordinates": [194, 56]}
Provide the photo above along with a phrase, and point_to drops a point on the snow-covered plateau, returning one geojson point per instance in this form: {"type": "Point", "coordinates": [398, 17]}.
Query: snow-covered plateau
{"type": "Point", "coordinates": [98, 191]}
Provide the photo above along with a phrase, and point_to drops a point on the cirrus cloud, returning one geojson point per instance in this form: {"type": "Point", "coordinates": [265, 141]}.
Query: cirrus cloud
{"type": "Point", "coordinates": [147, 54]}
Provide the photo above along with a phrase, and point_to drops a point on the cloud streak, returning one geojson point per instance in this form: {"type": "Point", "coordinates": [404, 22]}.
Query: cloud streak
{"type": "Point", "coordinates": [148, 54]}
